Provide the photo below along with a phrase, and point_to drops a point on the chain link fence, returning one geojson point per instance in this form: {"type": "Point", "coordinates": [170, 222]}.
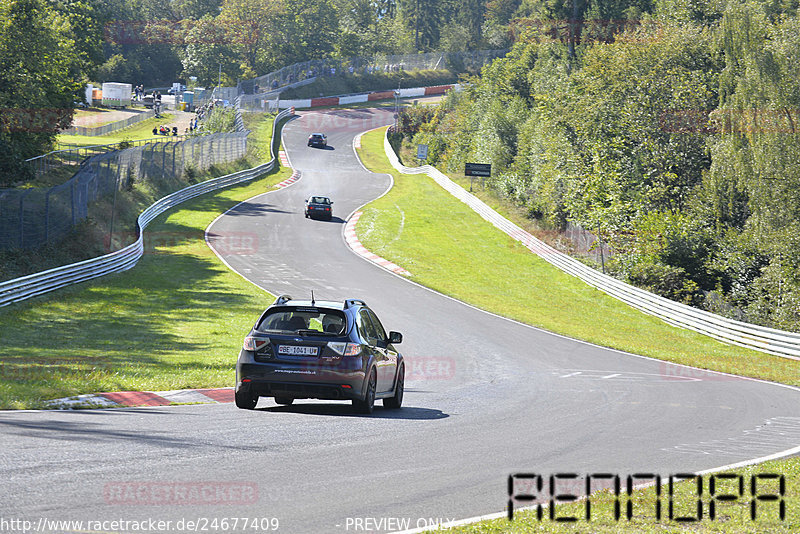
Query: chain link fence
{"type": "Point", "coordinates": [78, 154]}
{"type": "Point", "coordinates": [30, 218]}
{"type": "Point", "coordinates": [111, 127]}
{"type": "Point", "coordinates": [298, 72]}
{"type": "Point", "coordinates": [586, 243]}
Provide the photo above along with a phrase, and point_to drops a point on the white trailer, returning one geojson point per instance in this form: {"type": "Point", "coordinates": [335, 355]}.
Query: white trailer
{"type": "Point", "coordinates": [117, 94]}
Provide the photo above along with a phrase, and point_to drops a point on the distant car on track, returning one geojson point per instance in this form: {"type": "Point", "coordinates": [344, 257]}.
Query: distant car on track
{"type": "Point", "coordinates": [318, 207]}
{"type": "Point", "coordinates": [318, 139]}
{"type": "Point", "coordinates": [320, 350]}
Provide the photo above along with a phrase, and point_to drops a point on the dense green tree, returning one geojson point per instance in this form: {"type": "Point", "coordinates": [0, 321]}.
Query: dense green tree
{"type": "Point", "coordinates": [39, 79]}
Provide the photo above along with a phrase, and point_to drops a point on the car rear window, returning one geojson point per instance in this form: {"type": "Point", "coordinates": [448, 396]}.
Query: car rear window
{"type": "Point", "coordinates": [310, 319]}
{"type": "Point", "coordinates": [320, 200]}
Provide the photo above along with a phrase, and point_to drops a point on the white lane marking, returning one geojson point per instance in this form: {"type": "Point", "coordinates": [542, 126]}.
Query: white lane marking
{"type": "Point", "coordinates": [623, 376]}
{"type": "Point", "coordinates": [777, 455]}
{"type": "Point", "coordinates": [777, 431]}
{"type": "Point", "coordinates": [355, 245]}
{"type": "Point", "coordinates": [288, 182]}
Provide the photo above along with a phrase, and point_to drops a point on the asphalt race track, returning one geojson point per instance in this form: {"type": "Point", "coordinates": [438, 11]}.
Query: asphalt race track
{"type": "Point", "coordinates": [485, 397]}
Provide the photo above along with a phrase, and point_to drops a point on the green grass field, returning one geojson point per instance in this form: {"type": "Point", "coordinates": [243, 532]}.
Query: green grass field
{"type": "Point", "coordinates": [174, 321]}
{"type": "Point", "coordinates": [140, 130]}
{"type": "Point", "coordinates": [448, 247]}
{"type": "Point", "coordinates": [730, 517]}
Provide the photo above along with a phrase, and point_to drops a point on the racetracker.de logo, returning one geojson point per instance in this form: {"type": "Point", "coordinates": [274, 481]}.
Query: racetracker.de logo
{"type": "Point", "coordinates": [180, 493]}
{"type": "Point", "coordinates": [673, 371]}
{"type": "Point", "coordinates": [22, 120]}
{"type": "Point", "coordinates": [430, 368]}
{"type": "Point", "coordinates": [228, 244]}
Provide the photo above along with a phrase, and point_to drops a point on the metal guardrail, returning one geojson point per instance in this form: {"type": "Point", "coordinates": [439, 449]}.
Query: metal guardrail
{"type": "Point", "coordinates": [777, 342]}
{"type": "Point", "coordinates": [239, 121]}
{"type": "Point", "coordinates": [297, 72]}
{"type": "Point", "coordinates": [94, 131]}
{"type": "Point", "coordinates": [40, 283]}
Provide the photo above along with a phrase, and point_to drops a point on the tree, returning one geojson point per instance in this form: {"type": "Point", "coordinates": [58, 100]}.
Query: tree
{"type": "Point", "coordinates": [197, 9]}
{"type": "Point", "coordinates": [255, 30]}
{"type": "Point", "coordinates": [38, 80]}
{"type": "Point", "coordinates": [207, 52]}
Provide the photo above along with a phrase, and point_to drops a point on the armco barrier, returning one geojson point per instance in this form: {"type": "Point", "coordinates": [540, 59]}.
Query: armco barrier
{"type": "Point", "coordinates": [365, 97]}
{"type": "Point", "coordinates": [769, 340]}
{"type": "Point", "coordinates": [40, 283]}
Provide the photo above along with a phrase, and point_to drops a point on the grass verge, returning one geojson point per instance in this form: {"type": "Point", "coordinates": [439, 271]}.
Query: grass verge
{"type": "Point", "coordinates": [174, 321]}
{"type": "Point", "coordinates": [91, 238]}
{"type": "Point", "coordinates": [448, 247]}
{"type": "Point", "coordinates": [140, 130]}
{"type": "Point", "coordinates": [730, 516]}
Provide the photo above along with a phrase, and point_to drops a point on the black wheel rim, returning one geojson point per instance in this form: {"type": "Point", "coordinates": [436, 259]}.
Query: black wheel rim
{"type": "Point", "coordinates": [401, 380]}
{"type": "Point", "coordinates": [371, 390]}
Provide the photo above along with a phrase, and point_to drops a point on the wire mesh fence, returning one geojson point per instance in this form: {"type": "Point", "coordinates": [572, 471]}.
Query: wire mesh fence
{"type": "Point", "coordinates": [111, 127]}
{"type": "Point", "coordinates": [368, 65]}
{"type": "Point", "coordinates": [30, 218]}
{"type": "Point", "coordinates": [78, 154]}
{"type": "Point", "coordinates": [586, 243]}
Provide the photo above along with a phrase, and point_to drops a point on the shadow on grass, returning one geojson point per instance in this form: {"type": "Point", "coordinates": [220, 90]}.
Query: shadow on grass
{"type": "Point", "coordinates": [113, 333]}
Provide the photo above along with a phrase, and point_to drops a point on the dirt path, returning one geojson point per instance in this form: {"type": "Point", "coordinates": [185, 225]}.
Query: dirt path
{"type": "Point", "coordinates": [180, 119]}
{"type": "Point", "coordinates": [100, 116]}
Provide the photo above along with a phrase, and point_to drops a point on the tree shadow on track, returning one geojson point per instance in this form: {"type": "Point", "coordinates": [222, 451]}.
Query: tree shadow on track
{"type": "Point", "coordinates": [251, 209]}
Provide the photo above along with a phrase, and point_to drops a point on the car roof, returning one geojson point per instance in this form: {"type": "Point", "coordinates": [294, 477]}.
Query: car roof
{"type": "Point", "coordinates": [317, 304]}
{"type": "Point", "coordinates": [347, 304]}
{"type": "Point", "coordinates": [319, 134]}
{"type": "Point", "coordinates": [318, 196]}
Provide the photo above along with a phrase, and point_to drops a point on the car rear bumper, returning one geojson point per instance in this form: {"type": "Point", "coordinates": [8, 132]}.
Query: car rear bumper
{"type": "Point", "coordinates": [301, 381]}
{"type": "Point", "coordinates": [319, 214]}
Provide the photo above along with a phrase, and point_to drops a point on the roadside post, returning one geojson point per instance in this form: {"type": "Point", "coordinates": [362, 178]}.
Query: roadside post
{"type": "Point", "coordinates": [484, 170]}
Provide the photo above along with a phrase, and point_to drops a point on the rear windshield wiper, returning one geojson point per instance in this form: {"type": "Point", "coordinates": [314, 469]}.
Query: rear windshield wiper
{"type": "Point", "coordinates": [312, 333]}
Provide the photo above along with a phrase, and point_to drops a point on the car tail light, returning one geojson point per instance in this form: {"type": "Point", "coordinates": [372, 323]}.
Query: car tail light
{"type": "Point", "coordinates": [345, 349]}
{"type": "Point", "coordinates": [254, 344]}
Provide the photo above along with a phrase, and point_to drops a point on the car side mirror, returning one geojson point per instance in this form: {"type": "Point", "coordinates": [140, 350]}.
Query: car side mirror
{"type": "Point", "coordinates": [395, 338]}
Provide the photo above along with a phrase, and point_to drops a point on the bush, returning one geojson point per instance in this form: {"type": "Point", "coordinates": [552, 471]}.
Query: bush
{"type": "Point", "coordinates": [665, 280]}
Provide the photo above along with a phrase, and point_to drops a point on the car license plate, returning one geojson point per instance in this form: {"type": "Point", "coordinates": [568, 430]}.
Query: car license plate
{"type": "Point", "coordinates": [295, 350]}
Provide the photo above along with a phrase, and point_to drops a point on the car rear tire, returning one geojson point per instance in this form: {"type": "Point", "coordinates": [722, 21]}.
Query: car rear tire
{"type": "Point", "coordinates": [368, 404]}
{"type": "Point", "coordinates": [286, 401]}
{"type": "Point", "coordinates": [397, 400]}
{"type": "Point", "coordinates": [244, 400]}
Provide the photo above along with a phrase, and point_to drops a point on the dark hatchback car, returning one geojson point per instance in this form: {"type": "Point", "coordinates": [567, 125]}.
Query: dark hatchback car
{"type": "Point", "coordinates": [317, 139]}
{"type": "Point", "coordinates": [318, 207]}
{"type": "Point", "coordinates": [320, 350]}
